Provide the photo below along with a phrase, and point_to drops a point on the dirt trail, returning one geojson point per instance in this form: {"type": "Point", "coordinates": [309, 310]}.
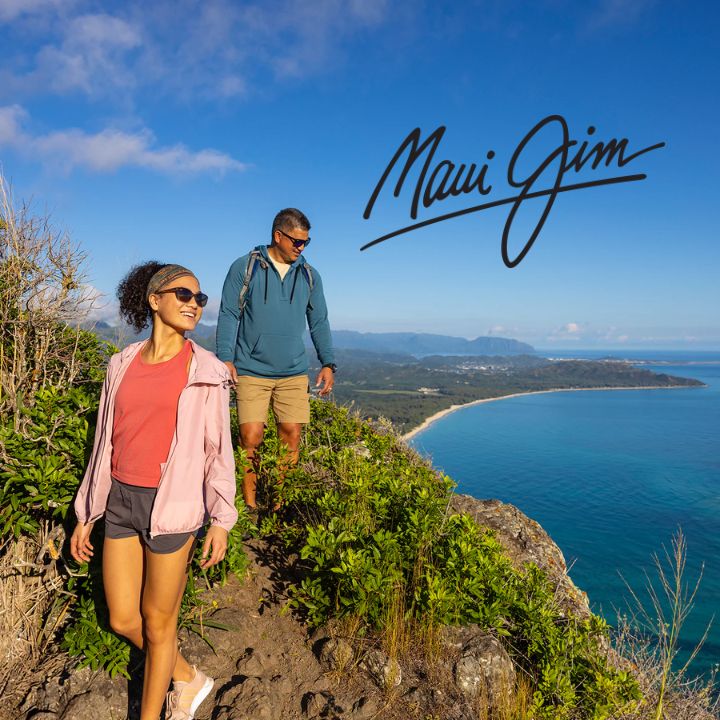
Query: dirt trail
{"type": "Point", "coordinates": [264, 665]}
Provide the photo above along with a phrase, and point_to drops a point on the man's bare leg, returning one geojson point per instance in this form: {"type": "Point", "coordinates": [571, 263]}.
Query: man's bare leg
{"type": "Point", "coordinates": [289, 435]}
{"type": "Point", "coordinates": [251, 436]}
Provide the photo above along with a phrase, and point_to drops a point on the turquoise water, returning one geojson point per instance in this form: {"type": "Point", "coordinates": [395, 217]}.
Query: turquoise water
{"type": "Point", "coordinates": [610, 476]}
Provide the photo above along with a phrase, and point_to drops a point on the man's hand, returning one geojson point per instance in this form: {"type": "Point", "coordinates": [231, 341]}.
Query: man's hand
{"type": "Point", "coordinates": [214, 547]}
{"type": "Point", "coordinates": [80, 546]}
{"type": "Point", "coordinates": [233, 372]}
{"type": "Point", "coordinates": [325, 380]}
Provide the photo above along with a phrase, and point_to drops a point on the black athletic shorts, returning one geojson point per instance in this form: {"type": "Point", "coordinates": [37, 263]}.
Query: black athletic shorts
{"type": "Point", "coordinates": [128, 514]}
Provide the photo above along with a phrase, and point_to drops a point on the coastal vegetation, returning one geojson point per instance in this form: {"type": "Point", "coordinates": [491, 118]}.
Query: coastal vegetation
{"type": "Point", "coordinates": [382, 551]}
{"type": "Point", "coordinates": [366, 524]}
{"type": "Point", "coordinates": [408, 390]}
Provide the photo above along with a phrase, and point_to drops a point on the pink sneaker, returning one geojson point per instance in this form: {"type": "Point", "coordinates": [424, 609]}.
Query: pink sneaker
{"type": "Point", "coordinates": [185, 697]}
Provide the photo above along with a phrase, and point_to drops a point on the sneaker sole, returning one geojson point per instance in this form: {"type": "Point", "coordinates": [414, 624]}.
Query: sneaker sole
{"type": "Point", "coordinates": [202, 694]}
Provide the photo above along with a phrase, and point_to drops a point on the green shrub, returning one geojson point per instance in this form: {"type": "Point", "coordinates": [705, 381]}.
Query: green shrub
{"type": "Point", "coordinates": [46, 443]}
{"type": "Point", "coordinates": [46, 461]}
{"type": "Point", "coordinates": [88, 636]}
{"type": "Point", "coordinates": [373, 522]}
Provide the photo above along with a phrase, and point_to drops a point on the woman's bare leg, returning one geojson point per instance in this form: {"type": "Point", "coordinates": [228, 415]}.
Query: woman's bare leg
{"type": "Point", "coordinates": [165, 578]}
{"type": "Point", "coordinates": [123, 571]}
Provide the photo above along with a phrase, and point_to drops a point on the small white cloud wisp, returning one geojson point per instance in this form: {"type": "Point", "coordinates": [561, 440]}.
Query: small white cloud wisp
{"type": "Point", "coordinates": [108, 150]}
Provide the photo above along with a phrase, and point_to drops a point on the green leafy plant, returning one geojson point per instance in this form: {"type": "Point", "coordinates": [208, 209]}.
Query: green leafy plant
{"type": "Point", "coordinates": [372, 524]}
{"type": "Point", "coordinates": [88, 636]}
{"type": "Point", "coordinates": [45, 463]}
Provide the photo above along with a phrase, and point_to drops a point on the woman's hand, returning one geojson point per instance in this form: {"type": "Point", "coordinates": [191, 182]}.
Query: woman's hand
{"type": "Point", "coordinates": [80, 546]}
{"type": "Point", "coordinates": [214, 547]}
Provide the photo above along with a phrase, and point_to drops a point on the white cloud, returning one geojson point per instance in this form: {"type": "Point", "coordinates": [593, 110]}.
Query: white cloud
{"type": "Point", "coordinates": [185, 48]}
{"type": "Point", "coordinates": [584, 332]}
{"type": "Point", "coordinates": [92, 56]}
{"type": "Point", "coordinates": [571, 331]}
{"type": "Point", "coordinates": [108, 150]}
{"type": "Point", "coordinates": [102, 307]}
{"type": "Point", "coordinates": [211, 310]}
{"type": "Point", "coordinates": [12, 9]}
{"type": "Point", "coordinates": [10, 118]}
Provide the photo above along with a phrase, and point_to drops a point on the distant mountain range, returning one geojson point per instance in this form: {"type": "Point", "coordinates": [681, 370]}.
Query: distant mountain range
{"type": "Point", "coordinates": [405, 343]}
{"type": "Point", "coordinates": [420, 344]}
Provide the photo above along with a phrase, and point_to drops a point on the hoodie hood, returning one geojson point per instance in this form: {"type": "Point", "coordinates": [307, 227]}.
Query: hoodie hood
{"type": "Point", "coordinates": [263, 249]}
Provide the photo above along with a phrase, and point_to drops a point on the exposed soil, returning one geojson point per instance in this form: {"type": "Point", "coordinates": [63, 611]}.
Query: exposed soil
{"type": "Point", "coordinates": [266, 666]}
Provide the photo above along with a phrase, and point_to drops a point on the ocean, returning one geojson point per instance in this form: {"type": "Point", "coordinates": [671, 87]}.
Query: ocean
{"type": "Point", "coordinates": [610, 475]}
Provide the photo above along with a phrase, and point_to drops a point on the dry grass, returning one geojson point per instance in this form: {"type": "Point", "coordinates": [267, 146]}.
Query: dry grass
{"type": "Point", "coordinates": [31, 601]}
{"type": "Point", "coordinates": [673, 694]}
{"type": "Point", "coordinates": [514, 705]}
{"type": "Point", "coordinates": [395, 634]}
{"type": "Point", "coordinates": [648, 640]}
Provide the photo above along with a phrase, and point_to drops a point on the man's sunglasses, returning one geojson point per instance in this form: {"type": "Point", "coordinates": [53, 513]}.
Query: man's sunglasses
{"type": "Point", "coordinates": [184, 295]}
{"type": "Point", "coordinates": [295, 241]}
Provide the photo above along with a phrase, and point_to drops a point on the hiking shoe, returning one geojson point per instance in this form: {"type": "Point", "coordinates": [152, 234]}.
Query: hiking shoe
{"type": "Point", "coordinates": [185, 697]}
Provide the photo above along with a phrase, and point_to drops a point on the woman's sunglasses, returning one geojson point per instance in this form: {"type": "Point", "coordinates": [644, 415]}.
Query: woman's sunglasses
{"type": "Point", "coordinates": [184, 295]}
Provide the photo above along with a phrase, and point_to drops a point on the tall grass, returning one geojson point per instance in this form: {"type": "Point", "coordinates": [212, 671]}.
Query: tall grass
{"type": "Point", "coordinates": [649, 637]}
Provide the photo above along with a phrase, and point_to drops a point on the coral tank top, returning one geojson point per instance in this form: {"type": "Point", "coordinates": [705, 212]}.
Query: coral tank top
{"type": "Point", "coordinates": [145, 417]}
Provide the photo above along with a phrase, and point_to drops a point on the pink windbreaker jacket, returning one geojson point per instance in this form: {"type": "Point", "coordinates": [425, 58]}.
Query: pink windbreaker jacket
{"type": "Point", "coordinates": [198, 479]}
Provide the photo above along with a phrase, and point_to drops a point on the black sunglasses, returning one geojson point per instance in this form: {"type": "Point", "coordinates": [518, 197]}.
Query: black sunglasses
{"type": "Point", "coordinates": [184, 295]}
{"type": "Point", "coordinates": [295, 241]}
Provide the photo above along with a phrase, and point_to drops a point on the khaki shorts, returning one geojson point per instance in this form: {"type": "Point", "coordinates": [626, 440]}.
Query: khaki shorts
{"type": "Point", "coordinates": [290, 398]}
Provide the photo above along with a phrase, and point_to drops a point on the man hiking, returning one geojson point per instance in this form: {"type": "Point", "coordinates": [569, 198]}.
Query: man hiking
{"type": "Point", "coordinates": [268, 297]}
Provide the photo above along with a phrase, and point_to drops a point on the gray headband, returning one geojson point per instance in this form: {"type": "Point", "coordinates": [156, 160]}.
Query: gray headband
{"type": "Point", "coordinates": [165, 275]}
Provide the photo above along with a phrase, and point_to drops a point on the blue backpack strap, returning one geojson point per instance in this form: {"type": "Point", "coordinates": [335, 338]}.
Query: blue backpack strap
{"type": "Point", "coordinates": [253, 260]}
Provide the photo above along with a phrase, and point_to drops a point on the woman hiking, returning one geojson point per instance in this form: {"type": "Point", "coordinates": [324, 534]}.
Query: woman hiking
{"type": "Point", "coordinates": [161, 466]}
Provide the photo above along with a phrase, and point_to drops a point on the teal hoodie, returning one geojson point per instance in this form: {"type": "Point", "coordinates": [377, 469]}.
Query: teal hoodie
{"type": "Point", "coordinates": [267, 341]}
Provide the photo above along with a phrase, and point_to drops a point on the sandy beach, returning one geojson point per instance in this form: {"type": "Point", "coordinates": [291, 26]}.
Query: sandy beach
{"type": "Point", "coordinates": [433, 418]}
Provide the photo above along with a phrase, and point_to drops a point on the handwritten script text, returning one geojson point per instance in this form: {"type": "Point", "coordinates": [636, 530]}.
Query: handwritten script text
{"type": "Point", "coordinates": [440, 180]}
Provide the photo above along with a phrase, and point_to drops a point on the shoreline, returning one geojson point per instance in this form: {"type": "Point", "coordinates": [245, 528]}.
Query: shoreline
{"type": "Point", "coordinates": [442, 413]}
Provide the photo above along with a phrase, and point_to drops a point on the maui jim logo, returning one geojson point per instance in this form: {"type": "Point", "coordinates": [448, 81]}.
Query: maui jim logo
{"type": "Point", "coordinates": [440, 180]}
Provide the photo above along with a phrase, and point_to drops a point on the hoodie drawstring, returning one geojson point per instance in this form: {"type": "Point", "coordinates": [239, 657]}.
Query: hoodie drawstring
{"type": "Point", "coordinates": [266, 280]}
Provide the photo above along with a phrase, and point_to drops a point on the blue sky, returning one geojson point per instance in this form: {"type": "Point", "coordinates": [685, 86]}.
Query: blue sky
{"type": "Point", "coordinates": [176, 130]}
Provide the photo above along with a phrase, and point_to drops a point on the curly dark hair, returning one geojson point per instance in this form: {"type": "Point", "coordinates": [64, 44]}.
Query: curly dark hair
{"type": "Point", "coordinates": [131, 292]}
